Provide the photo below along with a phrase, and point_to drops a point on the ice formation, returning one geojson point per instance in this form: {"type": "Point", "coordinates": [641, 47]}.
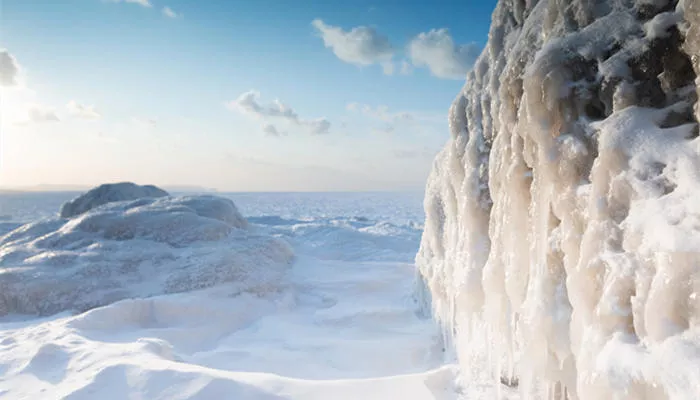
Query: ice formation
{"type": "Point", "coordinates": [134, 248]}
{"type": "Point", "coordinates": [107, 193]}
{"type": "Point", "coordinates": [562, 221]}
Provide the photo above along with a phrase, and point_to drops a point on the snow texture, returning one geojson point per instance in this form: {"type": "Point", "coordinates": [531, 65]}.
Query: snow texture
{"type": "Point", "coordinates": [108, 193]}
{"type": "Point", "coordinates": [134, 248]}
{"type": "Point", "coordinates": [342, 326]}
{"type": "Point", "coordinates": [560, 250]}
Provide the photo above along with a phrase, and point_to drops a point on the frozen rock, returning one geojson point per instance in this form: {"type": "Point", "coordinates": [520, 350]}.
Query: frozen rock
{"type": "Point", "coordinates": [135, 248]}
{"type": "Point", "coordinates": [107, 193]}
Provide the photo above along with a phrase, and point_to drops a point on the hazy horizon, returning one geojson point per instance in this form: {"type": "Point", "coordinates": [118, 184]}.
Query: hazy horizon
{"type": "Point", "coordinates": [66, 188]}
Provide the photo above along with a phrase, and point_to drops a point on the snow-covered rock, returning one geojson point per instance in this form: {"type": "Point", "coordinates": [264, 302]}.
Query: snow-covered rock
{"type": "Point", "coordinates": [562, 234]}
{"type": "Point", "coordinates": [135, 248]}
{"type": "Point", "coordinates": [107, 193]}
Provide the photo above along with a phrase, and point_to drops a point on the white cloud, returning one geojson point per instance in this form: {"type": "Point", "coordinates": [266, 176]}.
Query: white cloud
{"type": "Point", "coordinates": [143, 3]}
{"type": "Point", "coordinates": [9, 69]}
{"type": "Point", "coordinates": [361, 45]}
{"type": "Point", "coordinates": [248, 103]}
{"type": "Point", "coordinates": [170, 13]}
{"type": "Point", "coordinates": [271, 130]}
{"type": "Point", "coordinates": [437, 50]}
{"type": "Point", "coordinates": [317, 126]}
{"type": "Point", "coordinates": [38, 113]}
{"type": "Point", "coordinates": [82, 111]}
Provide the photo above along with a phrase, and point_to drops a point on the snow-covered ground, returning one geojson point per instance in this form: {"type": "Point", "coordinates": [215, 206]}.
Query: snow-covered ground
{"type": "Point", "coordinates": [343, 324]}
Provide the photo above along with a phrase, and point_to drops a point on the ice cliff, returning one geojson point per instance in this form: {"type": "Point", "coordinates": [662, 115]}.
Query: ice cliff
{"type": "Point", "coordinates": [124, 240]}
{"type": "Point", "coordinates": [561, 249]}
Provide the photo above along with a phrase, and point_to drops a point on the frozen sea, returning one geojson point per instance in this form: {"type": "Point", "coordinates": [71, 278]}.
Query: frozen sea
{"type": "Point", "coordinates": [346, 325]}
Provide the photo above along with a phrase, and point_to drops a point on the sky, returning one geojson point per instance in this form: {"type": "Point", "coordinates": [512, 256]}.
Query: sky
{"type": "Point", "coordinates": [319, 95]}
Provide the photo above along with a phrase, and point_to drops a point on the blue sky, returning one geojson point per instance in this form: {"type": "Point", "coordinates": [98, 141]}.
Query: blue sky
{"type": "Point", "coordinates": [236, 95]}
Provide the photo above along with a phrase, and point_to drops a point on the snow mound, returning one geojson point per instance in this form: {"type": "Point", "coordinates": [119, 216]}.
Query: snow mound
{"type": "Point", "coordinates": [560, 249]}
{"type": "Point", "coordinates": [107, 193]}
{"type": "Point", "coordinates": [136, 248]}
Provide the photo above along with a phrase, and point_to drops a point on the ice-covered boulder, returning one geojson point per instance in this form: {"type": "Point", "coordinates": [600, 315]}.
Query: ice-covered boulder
{"type": "Point", "coordinates": [107, 193]}
{"type": "Point", "coordinates": [562, 239]}
{"type": "Point", "coordinates": [135, 248]}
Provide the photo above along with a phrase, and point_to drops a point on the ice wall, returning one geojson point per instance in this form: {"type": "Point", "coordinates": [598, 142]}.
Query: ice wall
{"type": "Point", "coordinates": [562, 236]}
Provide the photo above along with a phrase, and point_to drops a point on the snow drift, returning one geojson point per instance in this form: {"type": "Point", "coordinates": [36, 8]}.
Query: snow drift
{"type": "Point", "coordinates": [110, 250]}
{"type": "Point", "coordinates": [562, 222]}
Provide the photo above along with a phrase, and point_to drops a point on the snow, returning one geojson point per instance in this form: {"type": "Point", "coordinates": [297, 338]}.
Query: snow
{"type": "Point", "coordinates": [341, 323]}
{"type": "Point", "coordinates": [560, 244]}
{"type": "Point", "coordinates": [135, 248]}
{"type": "Point", "coordinates": [659, 26]}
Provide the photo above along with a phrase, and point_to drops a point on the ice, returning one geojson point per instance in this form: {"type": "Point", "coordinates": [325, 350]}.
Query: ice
{"type": "Point", "coordinates": [107, 193]}
{"type": "Point", "coordinates": [134, 248]}
{"type": "Point", "coordinates": [340, 323]}
{"type": "Point", "coordinates": [560, 244]}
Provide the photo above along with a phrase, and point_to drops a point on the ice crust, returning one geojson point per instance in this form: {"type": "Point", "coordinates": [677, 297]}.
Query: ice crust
{"type": "Point", "coordinates": [151, 245]}
{"type": "Point", "coordinates": [107, 193]}
{"type": "Point", "coordinates": [560, 250]}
